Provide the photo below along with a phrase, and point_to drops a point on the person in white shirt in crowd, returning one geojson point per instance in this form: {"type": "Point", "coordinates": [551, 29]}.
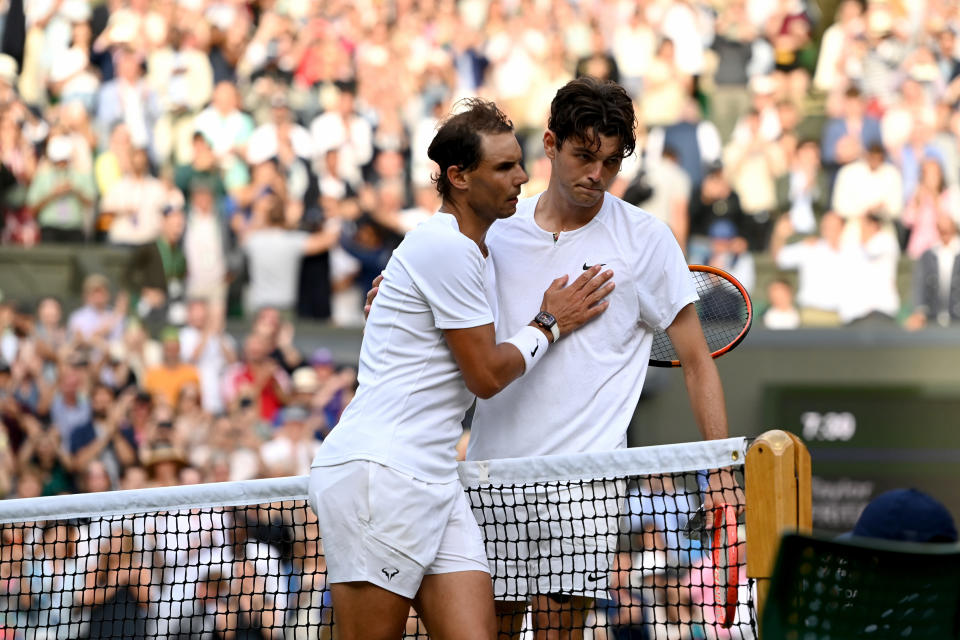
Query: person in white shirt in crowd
{"type": "Point", "coordinates": [204, 245]}
{"type": "Point", "coordinates": [936, 278]}
{"type": "Point", "coordinates": [96, 321]}
{"type": "Point", "coordinates": [274, 254]}
{"type": "Point", "coordinates": [868, 184]}
{"type": "Point", "coordinates": [205, 344]}
{"type": "Point", "coordinates": [135, 204]}
{"type": "Point", "coordinates": [872, 277]}
{"type": "Point", "coordinates": [225, 126]}
{"type": "Point", "coordinates": [396, 524]}
{"type": "Point", "coordinates": [344, 129]}
{"type": "Point", "coordinates": [782, 312]}
{"type": "Point", "coordinates": [822, 264]}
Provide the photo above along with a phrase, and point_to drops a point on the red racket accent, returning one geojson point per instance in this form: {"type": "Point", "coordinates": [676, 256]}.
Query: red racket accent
{"type": "Point", "coordinates": [725, 312]}
{"type": "Point", "coordinates": [726, 566]}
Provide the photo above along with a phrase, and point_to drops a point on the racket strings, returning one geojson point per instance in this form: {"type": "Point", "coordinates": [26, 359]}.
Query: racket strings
{"type": "Point", "coordinates": [723, 310]}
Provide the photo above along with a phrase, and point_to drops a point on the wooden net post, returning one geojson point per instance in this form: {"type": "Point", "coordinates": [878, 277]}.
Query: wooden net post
{"type": "Point", "coordinates": [777, 478]}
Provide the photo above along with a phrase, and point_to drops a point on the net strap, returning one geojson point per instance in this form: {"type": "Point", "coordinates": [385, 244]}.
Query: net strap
{"type": "Point", "coordinates": [671, 458]}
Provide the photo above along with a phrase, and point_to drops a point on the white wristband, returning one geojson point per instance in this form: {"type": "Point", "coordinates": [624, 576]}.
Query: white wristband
{"type": "Point", "coordinates": [532, 344]}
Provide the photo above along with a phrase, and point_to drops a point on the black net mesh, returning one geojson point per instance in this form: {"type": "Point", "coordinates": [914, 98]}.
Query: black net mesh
{"type": "Point", "coordinates": [826, 589]}
{"type": "Point", "coordinates": [614, 557]}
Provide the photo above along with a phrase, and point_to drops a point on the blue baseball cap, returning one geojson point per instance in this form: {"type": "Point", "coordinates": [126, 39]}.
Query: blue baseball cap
{"type": "Point", "coordinates": [906, 515]}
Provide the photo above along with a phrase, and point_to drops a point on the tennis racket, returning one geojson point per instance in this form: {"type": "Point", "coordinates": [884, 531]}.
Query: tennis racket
{"type": "Point", "coordinates": [726, 566]}
{"type": "Point", "coordinates": [725, 313]}
{"type": "Point", "coordinates": [722, 541]}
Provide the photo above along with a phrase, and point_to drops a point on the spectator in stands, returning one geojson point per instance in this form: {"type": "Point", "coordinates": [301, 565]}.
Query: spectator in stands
{"type": "Point", "coordinates": [728, 251]}
{"type": "Point", "coordinates": [822, 264]}
{"type": "Point", "coordinates": [135, 204]}
{"type": "Point", "coordinates": [257, 380]}
{"type": "Point", "coordinates": [292, 447]}
{"type": "Point", "coordinates": [803, 192]}
{"type": "Point", "coordinates": [921, 214]}
{"type": "Point", "coordinates": [278, 334]}
{"type": "Point", "coordinates": [111, 164]}
{"type": "Point", "coordinates": [228, 130]}
{"type": "Point", "coordinates": [167, 380]}
{"type": "Point", "coordinates": [274, 254]}
{"type": "Point", "coordinates": [42, 452]}
{"type": "Point", "coordinates": [669, 200]}
{"type": "Point", "coordinates": [128, 99]}
{"type": "Point", "coordinates": [872, 295]}
{"type": "Point", "coordinates": [205, 245]}
{"type": "Point", "coordinates": [837, 44]}
{"type": "Point", "coordinates": [344, 129]}
{"type": "Point", "coordinates": [714, 200]}
{"type": "Point", "coordinates": [61, 195]}
{"type": "Point", "coordinates": [205, 344]}
{"type": "Point", "coordinates": [18, 163]}
{"type": "Point", "coordinates": [848, 135]}
{"type": "Point", "coordinates": [202, 169]}
{"type": "Point", "coordinates": [733, 44]}
{"type": "Point", "coordinates": [96, 321]}
{"type": "Point", "coordinates": [868, 184]}
{"type": "Point", "coordinates": [181, 75]}
{"type": "Point", "coordinates": [936, 278]}
{"type": "Point", "coordinates": [753, 164]}
{"type": "Point", "coordinates": [102, 440]}
{"type": "Point", "coordinates": [665, 87]}
{"type": "Point", "coordinates": [782, 312]}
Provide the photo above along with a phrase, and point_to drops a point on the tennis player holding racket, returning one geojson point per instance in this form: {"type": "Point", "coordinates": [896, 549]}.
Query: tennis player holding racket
{"type": "Point", "coordinates": [397, 528]}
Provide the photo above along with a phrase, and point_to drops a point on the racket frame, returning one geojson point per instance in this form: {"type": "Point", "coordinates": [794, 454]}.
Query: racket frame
{"type": "Point", "coordinates": [725, 541]}
{"type": "Point", "coordinates": [746, 325]}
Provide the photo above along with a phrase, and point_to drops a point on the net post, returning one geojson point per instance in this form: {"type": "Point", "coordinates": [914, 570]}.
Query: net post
{"type": "Point", "coordinates": [777, 479]}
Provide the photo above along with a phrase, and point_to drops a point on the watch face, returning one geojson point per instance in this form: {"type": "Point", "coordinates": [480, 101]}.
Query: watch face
{"type": "Point", "coordinates": [545, 319]}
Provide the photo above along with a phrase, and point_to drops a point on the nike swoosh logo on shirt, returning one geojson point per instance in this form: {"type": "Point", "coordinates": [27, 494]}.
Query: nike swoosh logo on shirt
{"type": "Point", "coordinates": [586, 266]}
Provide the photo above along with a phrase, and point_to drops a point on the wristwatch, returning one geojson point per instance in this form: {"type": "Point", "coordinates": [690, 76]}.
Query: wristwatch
{"type": "Point", "coordinates": [547, 322]}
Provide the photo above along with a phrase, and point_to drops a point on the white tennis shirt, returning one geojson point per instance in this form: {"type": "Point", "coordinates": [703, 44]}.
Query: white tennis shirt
{"type": "Point", "coordinates": [411, 400]}
{"type": "Point", "coordinates": [581, 397]}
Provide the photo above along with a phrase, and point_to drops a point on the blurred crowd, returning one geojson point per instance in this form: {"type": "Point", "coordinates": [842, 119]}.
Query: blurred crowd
{"type": "Point", "coordinates": [261, 159]}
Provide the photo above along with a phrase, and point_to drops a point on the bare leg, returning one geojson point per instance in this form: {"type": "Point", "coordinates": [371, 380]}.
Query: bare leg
{"type": "Point", "coordinates": [510, 619]}
{"type": "Point", "coordinates": [457, 606]}
{"type": "Point", "coordinates": [559, 617]}
{"type": "Point", "coordinates": [364, 611]}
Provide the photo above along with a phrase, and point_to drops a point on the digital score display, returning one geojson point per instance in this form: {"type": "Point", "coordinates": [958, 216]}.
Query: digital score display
{"type": "Point", "coordinates": [866, 440]}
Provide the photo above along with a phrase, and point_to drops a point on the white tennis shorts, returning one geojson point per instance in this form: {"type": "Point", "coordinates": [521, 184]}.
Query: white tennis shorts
{"type": "Point", "coordinates": [381, 526]}
{"type": "Point", "coordinates": [557, 538]}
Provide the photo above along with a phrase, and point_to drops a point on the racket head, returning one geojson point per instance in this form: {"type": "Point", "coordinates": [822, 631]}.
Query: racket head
{"type": "Point", "coordinates": [726, 564]}
{"type": "Point", "coordinates": [725, 312]}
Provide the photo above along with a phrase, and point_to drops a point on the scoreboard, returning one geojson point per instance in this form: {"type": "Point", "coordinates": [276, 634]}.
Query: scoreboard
{"type": "Point", "coordinates": [866, 440]}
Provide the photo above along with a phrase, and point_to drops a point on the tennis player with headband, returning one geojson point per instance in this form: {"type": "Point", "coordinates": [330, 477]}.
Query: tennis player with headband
{"type": "Point", "coordinates": [586, 399]}
{"type": "Point", "coordinates": [397, 528]}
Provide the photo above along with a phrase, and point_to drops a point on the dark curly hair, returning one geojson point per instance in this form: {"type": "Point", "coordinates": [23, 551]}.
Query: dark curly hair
{"type": "Point", "coordinates": [457, 143]}
{"type": "Point", "coordinates": [586, 107]}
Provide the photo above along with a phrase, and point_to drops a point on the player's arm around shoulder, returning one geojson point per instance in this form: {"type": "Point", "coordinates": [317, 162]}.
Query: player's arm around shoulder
{"type": "Point", "coordinates": [488, 367]}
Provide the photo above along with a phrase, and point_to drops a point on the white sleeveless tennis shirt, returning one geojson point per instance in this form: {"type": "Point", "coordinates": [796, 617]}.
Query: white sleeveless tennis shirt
{"type": "Point", "coordinates": [411, 400]}
{"type": "Point", "coordinates": [581, 397]}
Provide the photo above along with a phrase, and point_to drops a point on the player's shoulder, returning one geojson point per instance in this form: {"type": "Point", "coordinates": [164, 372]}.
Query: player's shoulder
{"type": "Point", "coordinates": [630, 222]}
{"type": "Point", "coordinates": [436, 241]}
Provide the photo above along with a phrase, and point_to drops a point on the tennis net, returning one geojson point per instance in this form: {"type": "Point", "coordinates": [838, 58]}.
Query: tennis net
{"type": "Point", "coordinates": [608, 534]}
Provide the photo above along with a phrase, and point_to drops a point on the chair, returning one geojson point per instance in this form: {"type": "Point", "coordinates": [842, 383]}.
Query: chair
{"type": "Point", "coordinates": [858, 588]}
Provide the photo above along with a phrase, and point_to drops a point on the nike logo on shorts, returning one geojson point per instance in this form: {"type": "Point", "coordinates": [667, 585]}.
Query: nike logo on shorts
{"type": "Point", "coordinates": [586, 266]}
{"type": "Point", "coordinates": [534, 352]}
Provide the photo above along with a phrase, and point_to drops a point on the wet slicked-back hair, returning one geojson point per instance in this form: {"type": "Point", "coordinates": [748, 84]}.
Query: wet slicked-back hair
{"type": "Point", "coordinates": [458, 141]}
{"type": "Point", "coordinates": [586, 107]}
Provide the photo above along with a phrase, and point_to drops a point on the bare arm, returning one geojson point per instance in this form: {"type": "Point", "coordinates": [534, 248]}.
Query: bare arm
{"type": "Point", "coordinates": [705, 390]}
{"type": "Point", "coordinates": [699, 374]}
{"type": "Point", "coordinates": [488, 367]}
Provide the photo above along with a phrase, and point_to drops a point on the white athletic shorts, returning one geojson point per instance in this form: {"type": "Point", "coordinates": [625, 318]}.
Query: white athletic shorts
{"type": "Point", "coordinates": [381, 526]}
{"type": "Point", "coordinates": [551, 538]}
